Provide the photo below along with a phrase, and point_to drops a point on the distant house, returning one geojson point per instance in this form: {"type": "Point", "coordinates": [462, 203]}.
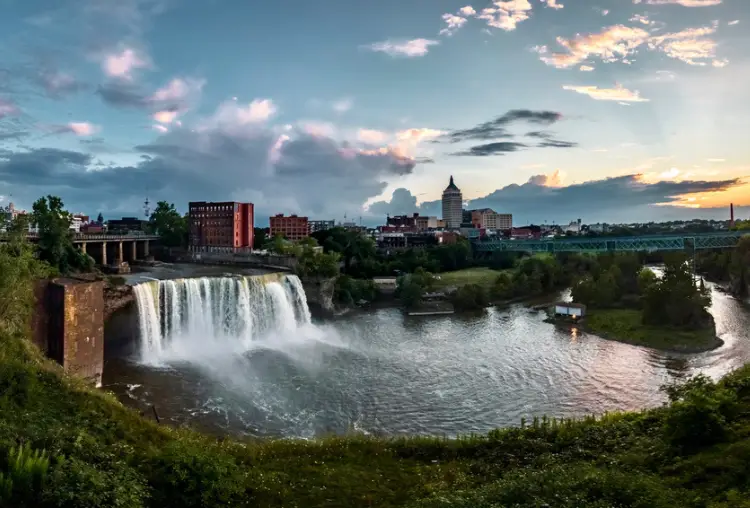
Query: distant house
{"type": "Point", "coordinates": [570, 309]}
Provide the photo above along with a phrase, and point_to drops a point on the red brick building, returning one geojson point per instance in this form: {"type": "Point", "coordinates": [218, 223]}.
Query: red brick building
{"type": "Point", "coordinates": [221, 224]}
{"type": "Point", "coordinates": [292, 228]}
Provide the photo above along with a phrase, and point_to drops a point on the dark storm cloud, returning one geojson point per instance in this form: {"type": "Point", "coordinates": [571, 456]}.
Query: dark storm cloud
{"type": "Point", "coordinates": [621, 199]}
{"type": "Point", "coordinates": [496, 128]}
{"type": "Point", "coordinates": [308, 174]}
{"type": "Point", "coordinates": [122, 94]}
{"type": "Point", "coordinates": [557, 143]}
{"type": "Point", "coordinates": [17, 135]}
{"type": "Point", "coordinates": [498, 148]}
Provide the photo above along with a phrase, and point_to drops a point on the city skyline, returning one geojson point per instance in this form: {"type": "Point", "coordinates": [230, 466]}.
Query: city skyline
{"type": "Point", "coordinates": [612, 111]}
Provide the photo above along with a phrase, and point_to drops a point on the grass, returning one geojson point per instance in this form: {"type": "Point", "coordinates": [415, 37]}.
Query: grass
{"type": "Point", "coordinates": [481, 276]}
{"type": "Point", "coordinates": [625, 325]}
{"type": "Point", "coordinates": [691, 455]}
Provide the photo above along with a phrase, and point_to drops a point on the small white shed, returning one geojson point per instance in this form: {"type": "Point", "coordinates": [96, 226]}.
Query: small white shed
{"type": "Point", "coordinates": [574, 310]}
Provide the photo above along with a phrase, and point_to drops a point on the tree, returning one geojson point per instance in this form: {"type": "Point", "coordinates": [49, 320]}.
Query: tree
{"type": "Point", "coordinates": [470, 297]}
{"type": "Point", "coordinates": [171, 227]}
{"type": "Point", "coordinates": [675, 299]}
{"type": "Point", "coordinates": [55, 244]}
{"type": "Point", "coordinates": [100, 218]}
{"type": "Point", "coordinates": [18, 270]}
{"type": "Point", "coordinates": [260, 238]}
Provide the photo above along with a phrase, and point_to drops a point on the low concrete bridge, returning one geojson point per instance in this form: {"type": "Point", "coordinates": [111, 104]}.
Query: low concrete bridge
{"type": "Point", "coordinates": [115, 248]}
{"type": "Point", "coordinates": [648, 243]}
{"type": "Point", "coordinates": [111, 249]}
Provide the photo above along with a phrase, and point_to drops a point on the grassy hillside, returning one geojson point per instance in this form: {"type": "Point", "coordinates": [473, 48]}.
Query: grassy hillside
{"type": "Point", "coordinates": [80, 447]}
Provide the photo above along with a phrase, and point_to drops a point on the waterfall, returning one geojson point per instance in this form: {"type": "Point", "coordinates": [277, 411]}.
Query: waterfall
{"type": "Point", "coordinates": [213, 310]}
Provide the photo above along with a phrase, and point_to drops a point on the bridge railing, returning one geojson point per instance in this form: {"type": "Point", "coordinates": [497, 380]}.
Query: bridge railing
{"type": "Point", "coordinates": [618, 243]}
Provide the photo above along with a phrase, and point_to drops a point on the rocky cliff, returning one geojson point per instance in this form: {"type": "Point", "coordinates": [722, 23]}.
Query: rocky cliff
{"type": "Point", "coordinates": [117, 297]}
{"type": "Point", "coordinates": [319, 292]}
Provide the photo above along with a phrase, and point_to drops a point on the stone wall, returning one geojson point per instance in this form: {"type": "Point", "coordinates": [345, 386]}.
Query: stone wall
{"type": "Point", "coordinates": [69, 326]}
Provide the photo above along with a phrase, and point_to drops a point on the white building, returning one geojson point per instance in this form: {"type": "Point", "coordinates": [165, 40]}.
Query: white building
{"type": "Point", "coordinates": [574, 227]}
{"type": "Point", "coordinates": [452, 206]}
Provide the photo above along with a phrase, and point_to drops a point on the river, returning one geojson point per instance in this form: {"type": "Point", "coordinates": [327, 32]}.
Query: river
{"type": "Point", "coordinates": [255, 365]}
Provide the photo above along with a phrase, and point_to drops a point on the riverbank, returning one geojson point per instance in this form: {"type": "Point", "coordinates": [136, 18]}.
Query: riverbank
{"type": "Point", "coordinates": [626, 325]}
{"type": "Point", "coordinates": [98, 453]}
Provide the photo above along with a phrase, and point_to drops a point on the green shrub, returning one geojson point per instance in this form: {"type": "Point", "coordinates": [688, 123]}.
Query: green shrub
{"type": "Point", "coordinates": [470, 297]}
{"type": "Point", "coordinates": [699, 414]}
{"type": "Point", "coordinates": [189, 473]}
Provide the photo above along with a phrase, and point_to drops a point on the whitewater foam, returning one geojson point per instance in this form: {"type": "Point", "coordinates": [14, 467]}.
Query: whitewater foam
{"type": "Point", "coordinates": [198, 319]}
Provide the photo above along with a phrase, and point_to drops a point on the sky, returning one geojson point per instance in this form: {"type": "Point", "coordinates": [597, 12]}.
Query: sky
{"type": "Point", "coordinates": [552, 110]}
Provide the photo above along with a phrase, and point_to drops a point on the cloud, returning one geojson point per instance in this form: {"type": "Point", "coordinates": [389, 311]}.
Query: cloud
{"type": "Point", "coordinates": [342, 105]}
{"type": "Point", "coordinates": [619, 93]}
{"type": "Point", "coordinates": [58, 84]}
{"type": "Point", "coordinates": [403, 48]}
{"type": "Point", "coordinates": [83, 128]}
{"type": "Point", "coordinates": [497, 148]}
{"type": "Point", "coordinates": [734, 22]}
{"type": "Point", "coordinates": [614, 43]}
{"type": "Point", "coordinates": [233, 155]}
{"type": "Point", "coordinates": [496, 128]}
{"type": "Point", "coordinates": [16, 135]}
{"type": "Point", "coordinates": [691, 46]}
{"type": "Point", "coordinates": [167, 103]}
{"type": "Point", "coordinates": [121, 64]}
{"type": "Point", "coordinates": [467, 10]}
{"type": "Point", "coordinates": [233, 114]}
{"type": "Point", "coordinates": [7, 108]}
{"type": "Point", "coordinates": [553, 4]}
{"type": "Point", "coordinates": [640, 18]}
{"type": "Point", "coordinates": [453, 23]}
{"type": "Point", "coordinates": [506, 15]}
{"type": "Point", "coordinates": [372, 137]}
{"type": "Point", "coordinates": [418, 135]}
{"type": "Point", "coordinates": [585, 68]}
{"type": "Point", "coordinates": [684, 3]}
{"type": "Point", "coordinates": [159, 128]}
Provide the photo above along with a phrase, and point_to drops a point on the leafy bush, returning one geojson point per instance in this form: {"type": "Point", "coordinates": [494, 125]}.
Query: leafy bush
{"type": "Point", "coordinates": [470, 297]}
{"type": "Point", "coordinates": [350, 291]}
{"type": "Point", "coordinates": [700, 413]}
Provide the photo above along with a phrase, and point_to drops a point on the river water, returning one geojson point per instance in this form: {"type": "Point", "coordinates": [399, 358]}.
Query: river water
{"type": "Point", "coordinates": [242, 357]}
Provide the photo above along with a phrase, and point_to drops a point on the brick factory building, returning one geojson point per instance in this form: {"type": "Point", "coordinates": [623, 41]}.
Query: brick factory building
{"type": "Point", "coordinates": [292, 228]}
{"type": "Point", "coordinates": [225, 224]}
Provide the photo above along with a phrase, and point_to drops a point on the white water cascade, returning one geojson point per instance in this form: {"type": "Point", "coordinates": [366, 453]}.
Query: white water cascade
{"type": "Point", "coordinates": [190, 317]}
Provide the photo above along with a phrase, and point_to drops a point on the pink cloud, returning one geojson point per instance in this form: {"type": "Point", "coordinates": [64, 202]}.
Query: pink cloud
{"type": "Point", "coordinates": [506, 14]}
{"type": "Point", "coordinates": [8, 109]}
{"type": "Point", "coordinates": [160, 128]}
{"type": "Point", "coordinates": [165, 116]}
{"type": "Point", "coordinates": [453, 23]}
{"type": "Point", "coordinates": [371, 136]}
{"type": "Point", "coordinates": [619, 93]}
{"type": "Point", "coordinates": [83, 128]}
{"type": "Point", "coordinates": [610, 45]}
{"type": "Point", "coordinates": [467, 10]}
{"type": "Point", "coordinates": [121, 65]}
{"type": "Point", "coordinates": [684, 3]}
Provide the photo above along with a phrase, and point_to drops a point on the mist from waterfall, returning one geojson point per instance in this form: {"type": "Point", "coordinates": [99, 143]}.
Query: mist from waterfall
{"type": "Point", "coordinates": [195, 319]}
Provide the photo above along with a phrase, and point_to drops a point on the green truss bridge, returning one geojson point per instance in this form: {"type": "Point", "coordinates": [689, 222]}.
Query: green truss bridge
{"type": "Point", "coordinates": [689, 242]}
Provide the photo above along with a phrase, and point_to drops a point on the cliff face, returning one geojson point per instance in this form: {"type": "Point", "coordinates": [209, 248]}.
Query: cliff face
{"type": "Point", "coordinates": [116, 298]}
{"type": "Point", "coordinates": [319, 292]}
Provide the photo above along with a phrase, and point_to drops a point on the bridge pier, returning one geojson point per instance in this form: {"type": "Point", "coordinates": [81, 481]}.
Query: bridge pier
{"type": "Point", "coordinates": [133, 251]}
{"type": "Point", "coordinates": [119, 253]}
{"type": "Point", "coordinates": [83, 248]}
{"type": "Point", "coordinates": [104, 253]}
{"type": "Point", "coordinates": [145, 249]}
